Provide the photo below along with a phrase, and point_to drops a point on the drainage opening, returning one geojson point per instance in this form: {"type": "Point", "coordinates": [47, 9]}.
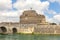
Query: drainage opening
{"type": "Point", "coordinates": [14, 30]}
{"type": "Point", "coordinates": [3, 29]}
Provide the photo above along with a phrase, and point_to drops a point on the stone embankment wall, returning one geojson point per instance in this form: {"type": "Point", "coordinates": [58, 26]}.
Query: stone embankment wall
{"type": "Point", "coordinates": [8, 28]}
{"type": "Point", "coordinates": [42, 29]}
{"type": "Point", "coordinates": [30, 28]}
{"type": "Point", "coordinates": [47, 29]}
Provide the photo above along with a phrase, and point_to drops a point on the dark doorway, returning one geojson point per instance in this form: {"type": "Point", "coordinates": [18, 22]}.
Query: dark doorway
{"type": "Point", "coordinates": [14, 30]}
{"type": "Point", "coordinates": [3, 29]}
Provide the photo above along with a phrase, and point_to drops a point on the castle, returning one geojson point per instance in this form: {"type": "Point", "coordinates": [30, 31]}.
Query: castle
{"type": "Point", "coordinates": [30, 22]}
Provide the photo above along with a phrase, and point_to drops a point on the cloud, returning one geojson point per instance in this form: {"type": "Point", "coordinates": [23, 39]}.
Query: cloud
{"type": "Point", "coordinates": [9, 19]}
{"type": "Point", "coordinates": [54, 19]}
{"type": "Point", "coordinates": [57, 17]}
{"type": "Point", "coordinates": [9, 13]}
{"type": "Point", "coordinates": [37, 5]}
{"type": "Point", "coordinates": [58, 1]}
{"type": "Point", "coordinates": [20, 5]}
{"type": "Point", "coordinates": [10, 16]}
{"type": "Point", "coordinates": [5, 5]}
{"type": "Point", "coordinates": [51, 12]}
{"type": "Point", "coordinates": [52, 0]}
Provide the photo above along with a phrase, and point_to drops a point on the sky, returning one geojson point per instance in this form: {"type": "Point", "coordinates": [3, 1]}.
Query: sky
{"type": "Point", "coordinates": [10, 10]}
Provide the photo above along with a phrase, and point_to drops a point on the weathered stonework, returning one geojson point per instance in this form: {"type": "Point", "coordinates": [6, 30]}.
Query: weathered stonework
{"type": "Point", "coordinates": [30, 22]}
{"type": "Point", "coordinates": [31, 17]}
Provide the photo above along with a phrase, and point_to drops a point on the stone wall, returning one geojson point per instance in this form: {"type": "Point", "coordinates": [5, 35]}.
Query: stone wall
{"type": "Point", "coordinates": [32, 28]}
{"type": "Point", "coordinates": [9, 27]}
{"type": "Point", "coordinates": [31, 17]}
{"type": "Point", "coordinates": [43, 29]}
{"type": "Point", "coordinates": [47, 29]}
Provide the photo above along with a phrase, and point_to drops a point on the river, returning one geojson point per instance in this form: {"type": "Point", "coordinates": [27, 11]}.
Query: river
{"type": "Point", "coordinates": [29, 37]}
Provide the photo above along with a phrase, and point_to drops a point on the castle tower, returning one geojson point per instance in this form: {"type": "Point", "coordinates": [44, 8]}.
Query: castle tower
{"type": "Point", "coordinates": [31, 17]}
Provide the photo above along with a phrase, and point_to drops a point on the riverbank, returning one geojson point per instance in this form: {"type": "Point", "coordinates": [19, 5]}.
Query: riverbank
{"type": "Point", "coordinates": [32, 34]}
{"type": "Point", "coordinates": [29, 37]}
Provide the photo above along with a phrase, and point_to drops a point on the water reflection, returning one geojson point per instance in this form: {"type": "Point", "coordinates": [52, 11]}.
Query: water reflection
{"type": "Point", "coordinates": [29, 37]}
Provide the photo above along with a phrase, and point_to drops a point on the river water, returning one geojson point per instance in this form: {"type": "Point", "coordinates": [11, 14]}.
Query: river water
{"type": "Point", "coordinates": [29, 37]}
